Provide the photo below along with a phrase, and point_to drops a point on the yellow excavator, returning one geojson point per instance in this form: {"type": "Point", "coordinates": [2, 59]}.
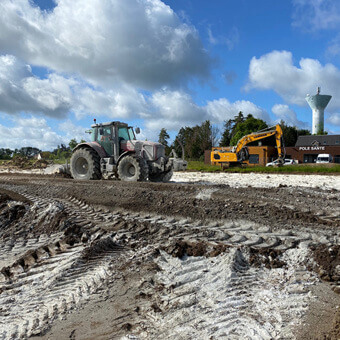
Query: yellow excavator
{"type": "Point", "coordinates": [236, 155]}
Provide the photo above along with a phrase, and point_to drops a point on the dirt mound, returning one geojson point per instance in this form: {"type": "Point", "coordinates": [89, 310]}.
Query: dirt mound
{"type": "Point", "coordinates": [99, 248]}
{"type": "Point", "coordinates": [11, 212]}
{"type": "Point", "coordinates": [4, 198]}
{"type": "Point", "coordinates": [328, 260]}
{"type": "Point", "coordinates": [19, 162]}
{"type": "Point", "coordinates": [26, 163]}
{"type": "Point", "coordinates": [7, 195]}
{"type": "Point", "coordinates": [184, 248]}
{"type": "Point", "coordinates": [270, 258]}
{"type": "Point", "coordinates": [40, 164]}
{"type": "Point", "coordinates": [334, 333]}
{"type": "Point", "coordinates": [73, 232]}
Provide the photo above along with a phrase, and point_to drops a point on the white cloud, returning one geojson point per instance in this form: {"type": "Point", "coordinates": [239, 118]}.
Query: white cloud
{"type": "Point", "coordinates": [333, 48]}
{"type": "Point", "coordinates": [175, 109]}
{"type": "Point", "coordinates": [71, 131]}
{"type": "Point", "coordinates": [101, 56]}
{"type": "Point", "coordinates": [21, 91]}
{"type": "Point", "coordinates": [33, 132]}
{"type": "Point", "coordinates": [56, 96]}
{"type": "Point", "coordinates": [139, 42]}
{"type": "Point", "coordinates": [276, 71]}
{"type": "Point", "coordinates": [124, 102]}
{"type": "Point", "coordinates": [314, 15]}
{"type": "Point", "coordinates": [212, 39]}
{"type": "Point", "coordinates": [36, 132]}
{"type": "Point", "coordinates": [284, 112]}
{"type": "Point", "coordinates": [221, 110]}
{"type": "Point", "coordinates": [334, 119]}
{"type": "Point", "coordinates": [230, 40]}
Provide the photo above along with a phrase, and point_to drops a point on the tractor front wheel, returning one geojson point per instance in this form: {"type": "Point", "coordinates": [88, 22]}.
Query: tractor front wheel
{"type": "Point", "coordinates": [85, 164]}
{"type": "Point", "coordinates": [133, 169]}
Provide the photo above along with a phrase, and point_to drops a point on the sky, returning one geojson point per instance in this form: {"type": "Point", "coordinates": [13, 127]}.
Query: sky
{"type": "Point", "coordinates": [162, 64]}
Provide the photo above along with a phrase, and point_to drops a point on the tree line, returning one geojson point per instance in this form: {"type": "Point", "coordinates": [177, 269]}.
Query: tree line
{"type": "Point", "coordinates": [60, 152]}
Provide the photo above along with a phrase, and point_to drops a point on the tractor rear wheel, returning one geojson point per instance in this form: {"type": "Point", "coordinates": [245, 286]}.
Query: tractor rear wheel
{"type": "Point", "coordinates": [85, 164]}
{"type": "Point", "coordinates": [161, 177]}
{"type": "Point", "coordinates": [133, 169]}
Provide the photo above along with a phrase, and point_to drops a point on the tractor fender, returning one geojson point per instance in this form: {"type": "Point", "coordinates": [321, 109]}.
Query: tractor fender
{"type": "Point", "coordinates": [125, 154]}
{"type": "Point", "coordinates": [93, 145]}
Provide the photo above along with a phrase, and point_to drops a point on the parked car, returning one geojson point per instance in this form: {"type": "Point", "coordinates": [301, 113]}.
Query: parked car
{"type": "Point", "coordinates": [286, 162]}
{"type": "Point", "coordinates": [324, 158]}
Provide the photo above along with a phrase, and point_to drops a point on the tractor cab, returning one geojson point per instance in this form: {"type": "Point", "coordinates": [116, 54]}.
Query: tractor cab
{"type": "Point", "coordinates": [112, 134]}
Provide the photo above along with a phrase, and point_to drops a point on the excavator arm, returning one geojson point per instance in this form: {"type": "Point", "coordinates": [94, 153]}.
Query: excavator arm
{"type": "Point", "coordinates": [279, 143]}
{"type": "Point", "coordinates": [253, 138]}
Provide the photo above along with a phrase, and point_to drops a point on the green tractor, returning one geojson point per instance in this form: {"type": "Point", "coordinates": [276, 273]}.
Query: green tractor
{"type": "Point", "coordinates": [115, 152]}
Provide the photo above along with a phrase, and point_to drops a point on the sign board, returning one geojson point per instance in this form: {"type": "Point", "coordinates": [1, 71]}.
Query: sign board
{"type": "Point", "coordinates": [312, 148]}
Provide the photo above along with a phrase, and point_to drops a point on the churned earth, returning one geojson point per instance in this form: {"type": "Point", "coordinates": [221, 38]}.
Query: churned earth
{"type": "Point", "coordinates": [206, 256]}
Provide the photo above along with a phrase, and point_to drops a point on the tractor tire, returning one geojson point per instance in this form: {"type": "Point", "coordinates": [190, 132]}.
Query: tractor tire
{"type": "Point", "coordinates": [85, 164]}
{"type": "Point", "coordinates": [161, 177]}
{"type": "Point", "coordinates": [133, 169]}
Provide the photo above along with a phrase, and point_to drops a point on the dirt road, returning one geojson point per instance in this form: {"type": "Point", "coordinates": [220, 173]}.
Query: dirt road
{"type": "Point", "coordinates": [114, 260]}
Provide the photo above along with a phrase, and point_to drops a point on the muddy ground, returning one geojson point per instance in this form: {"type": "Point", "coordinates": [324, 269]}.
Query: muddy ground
{"type": "Point", "coordinates": [114, 260]}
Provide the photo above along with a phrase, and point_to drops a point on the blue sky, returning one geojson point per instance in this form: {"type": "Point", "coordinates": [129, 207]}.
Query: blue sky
{"type": "Point", "coordinates": [157, 64]}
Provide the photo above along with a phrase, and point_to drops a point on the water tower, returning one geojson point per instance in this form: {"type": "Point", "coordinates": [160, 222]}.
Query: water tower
{"type": "Point", "coordinates": [318, 104]}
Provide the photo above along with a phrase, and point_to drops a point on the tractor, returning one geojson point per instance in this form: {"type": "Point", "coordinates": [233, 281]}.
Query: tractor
{"type": "Point", "coordinates": [115, 152]}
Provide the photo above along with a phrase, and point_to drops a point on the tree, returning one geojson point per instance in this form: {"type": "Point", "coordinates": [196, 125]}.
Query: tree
{"type": "Point", "coordinates": [163, 137]}
{"type": "Point", "coordinates": [215, 135]}
{"type": "Point", "coordinates": [61, 152]}
{"type": "Point", "coordinates": [195, 140]}
{"type": "Point", "coordinates": [6, 153]}
{"type": "Point", "coordinates": [245, 127]}
{"type": "Point", "coordinates": [227, 134]}
{"type": "Point", "coordinates": [291, 133]}
{"type": "Point", "coordinates": [229, 129]}
{"type": "Point", "coordinates": [303, 132]}
{"type": "Point", "coordinates": [73, 143]}
{"type": "Point", "coordinates": [28, 151]}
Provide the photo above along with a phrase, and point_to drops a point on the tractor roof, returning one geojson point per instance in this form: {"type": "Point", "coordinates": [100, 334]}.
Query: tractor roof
{"type": "Point", "coordinates": [109, 124]}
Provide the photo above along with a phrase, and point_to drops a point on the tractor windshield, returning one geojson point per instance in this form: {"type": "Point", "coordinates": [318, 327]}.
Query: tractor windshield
{"type": "Point", "coordinates": [131, 133]}
{"type": "Point", "coordinates": [126, 133]}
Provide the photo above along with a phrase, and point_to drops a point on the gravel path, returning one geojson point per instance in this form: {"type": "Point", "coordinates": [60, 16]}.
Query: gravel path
{"type": "Point", "coordinates": [259, 180]}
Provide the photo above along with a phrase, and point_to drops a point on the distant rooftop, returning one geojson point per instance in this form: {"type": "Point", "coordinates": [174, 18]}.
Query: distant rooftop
{"type": "Point", "coordinates": [327, 140]}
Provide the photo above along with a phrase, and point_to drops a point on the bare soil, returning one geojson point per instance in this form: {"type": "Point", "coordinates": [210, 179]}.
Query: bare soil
{"type": "Point", "coordinates": [88, 259]}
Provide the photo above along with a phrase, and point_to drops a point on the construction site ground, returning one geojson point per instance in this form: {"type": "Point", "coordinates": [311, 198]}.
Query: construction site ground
{"type": "Point", "coordinates": [206, 256]}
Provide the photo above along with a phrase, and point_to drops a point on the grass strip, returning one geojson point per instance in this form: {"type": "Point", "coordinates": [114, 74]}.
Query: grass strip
{"type": "Point", "coordinates": [299, 168]}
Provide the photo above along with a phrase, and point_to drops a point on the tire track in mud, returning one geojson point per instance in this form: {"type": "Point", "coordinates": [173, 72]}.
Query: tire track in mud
{"type": "Point", "coordinates": [248, 303]}
{"type": "Point", "coordinates": [51, 287]}
{"type": "Point", "coordinates": [43, 277]}
{"type": "Point", "coordinates": [225, 297]}
{"type": "Point", "coordinates": [64, 279]}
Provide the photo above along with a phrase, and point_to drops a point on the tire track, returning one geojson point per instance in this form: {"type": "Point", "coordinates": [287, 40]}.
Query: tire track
{"type": "Point", "coordinates": [218, 294]}
{"type": "Point", "coordinates": [49, 289]}
{"type": "Point", "coordinates": [43, 277]}
{"type": "Point", "coordinates": [226, 297]}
